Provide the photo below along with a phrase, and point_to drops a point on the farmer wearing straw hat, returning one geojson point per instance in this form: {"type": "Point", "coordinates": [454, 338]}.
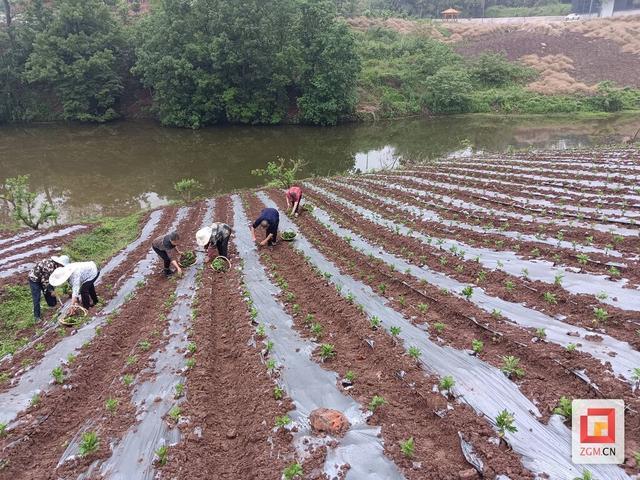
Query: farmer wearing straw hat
{"type": "Point", "coordinates": [269, 219]}
{"type": "Point", "coordinates": [82, 277]}
{"type": "Point", "coordinates": [162, 246]}
{"type": "Point", "coordinates": [294, 197]}
{"type": "Point", "coordinates": [39, 282]}
{"type": "Point", "coordinates": [217, 234]}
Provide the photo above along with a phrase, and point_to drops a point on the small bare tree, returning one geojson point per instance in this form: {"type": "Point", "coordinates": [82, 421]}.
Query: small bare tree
{"type": "Point", "coordinates": [280, 174]}
{"type": "Point", "coordinates": [16, 193]}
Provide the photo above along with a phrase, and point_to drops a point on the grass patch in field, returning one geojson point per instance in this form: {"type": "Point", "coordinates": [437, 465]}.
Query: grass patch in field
{"type": "Point", "coordinates": [16, 315]}
{"type": "Point", "coordinates": [108, 238]}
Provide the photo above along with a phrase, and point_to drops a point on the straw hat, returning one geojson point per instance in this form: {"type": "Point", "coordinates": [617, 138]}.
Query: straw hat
{"type": "Point", "coordinates": [60, 260]}
{"type": "Point", "coordinates": [60, 275]}
{"type": "Point", "coordinates": [203, 236]}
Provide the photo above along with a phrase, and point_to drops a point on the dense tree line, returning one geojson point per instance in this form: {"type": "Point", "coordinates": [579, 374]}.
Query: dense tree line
{"type": "Point", "coordinates": [204, 62]}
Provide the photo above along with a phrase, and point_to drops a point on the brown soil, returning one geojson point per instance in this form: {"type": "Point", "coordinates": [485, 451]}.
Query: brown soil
{"type": "Point", "coordinates": [229, 393]}
{"type": "Point", "coordinates": [547, 366]}
{"type": "Point", "coordinates": [412, 402]}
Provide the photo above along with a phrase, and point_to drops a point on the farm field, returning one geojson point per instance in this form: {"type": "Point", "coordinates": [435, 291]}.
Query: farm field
{"type": "Point", "coordinates": [448, 310]}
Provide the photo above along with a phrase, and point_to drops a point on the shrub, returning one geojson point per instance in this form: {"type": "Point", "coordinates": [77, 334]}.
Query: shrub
{"type": "Point", "coordinates": [494, 70]}
{"type": "Point", "coordinates": [448, 91]}
{"type": "Point", "coordinates": [15, 191]}
{"type": "Point", "coordinates": [280, 174]}
{"type": "Point", "coordinates": [187, 188]}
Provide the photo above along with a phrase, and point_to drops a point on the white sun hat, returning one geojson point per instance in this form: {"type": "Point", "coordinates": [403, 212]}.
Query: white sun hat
{"type": "Point", "coordinates": [61, 260]}
{"type": "Point", "coordinates": [60, 275]}
{"type": "Point", "coordinates": [203, 236]}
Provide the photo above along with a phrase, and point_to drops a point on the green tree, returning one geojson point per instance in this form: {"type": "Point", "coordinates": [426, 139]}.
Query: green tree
{"type": "Point", "coordinates": [448, 91]}
{"type": "Point", "coordinates": [77, 56]}
{"type": "Point", "coordinates": [330, 65]}
{"type": "Point", "coordinates": [24, 203]}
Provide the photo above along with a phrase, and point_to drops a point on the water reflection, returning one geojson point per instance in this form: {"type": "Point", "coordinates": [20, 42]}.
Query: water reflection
{"type": "Point", "coordinates": [112, 169]}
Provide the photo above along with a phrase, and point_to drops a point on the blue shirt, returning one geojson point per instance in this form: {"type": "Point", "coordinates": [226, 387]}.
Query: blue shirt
{"type": "Point", "coordinates": [272, 217]}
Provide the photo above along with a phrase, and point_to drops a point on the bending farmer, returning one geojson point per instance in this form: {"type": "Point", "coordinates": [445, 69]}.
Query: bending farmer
{"type": "Point", "coordinates": [217, 235]}
{"type": "Point", "coordinates": [82, 277]}
{"type": "Point", "coordinates": [39, 282]}
{"type": "Point", "coordinates": [162, 246]}
{"type": "Point", "coordinates": [269, 219]}
{"type": "Point", "coordinates": [294, 197]}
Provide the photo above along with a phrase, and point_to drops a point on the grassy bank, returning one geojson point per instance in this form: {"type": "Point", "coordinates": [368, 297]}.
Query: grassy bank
{"type": "Point", "coordinates": [406, 75]}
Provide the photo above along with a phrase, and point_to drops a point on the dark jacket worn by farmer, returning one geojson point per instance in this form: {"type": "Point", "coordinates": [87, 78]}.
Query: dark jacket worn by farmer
{"type": "Point", "coordinates": [269, 218]}
{"type": "Point", "coordinates": [220, 235]}
{"type": "Point", "coordinates": [39, 284]}
{"type": "Point", "coordinates": [162, 246]}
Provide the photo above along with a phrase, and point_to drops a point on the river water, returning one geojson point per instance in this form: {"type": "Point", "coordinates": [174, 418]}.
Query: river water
{"type": "Point", "coordinates": [113, 169]}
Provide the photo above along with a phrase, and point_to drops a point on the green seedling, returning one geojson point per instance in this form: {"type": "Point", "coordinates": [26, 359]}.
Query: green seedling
{"type": "Point", "coordinates": [467, 292]}
{"type": "Point", "coordinates": [496, 313]}
{"type": "Point", "coordinates": [127, 380]}
{"type": "Point", "coordinates": [550, 298]}
{"type": "Point", "coordinates": [511, 366]}
{"type": "Point", "coordinates": [179, 390]}
{"type": "Point", "coordinates": [131, 360]}
{"type": "Point", "coordinates": [35, 400]}
{"type": "Point", "coordinates": [613, 271]}
{"type": "Point", "coordinates": [190, 363]}
{"type": "Point", "coordinates": [382, 288]}
{"type": "Point", "coordinates": [510, 286]}
{"type": "Point", "coordinates": [293, 471]}
{"type": "Point", "coordinates": [327, 351]}
{"type": "Point", "coordinates": [162, 454]}
{"type": "Point", "coordinates": [261, 331]}
{"type": "Point", "coordinates": [525, 273]}
{"type": "Point", "coordinates": [477, 346]}
{"type": "Point", "coordinates": [395, 331]}
{"type": "Point", "coordinates": [349, 297]}
{"type": "Point", "coordinates": [175, 413]}
{"type": "Point", "coordinates": [586, 475]}
{"type": "Point", "coordinates": [271, 365]}
{"type": "Point", "coordinates": [111, 404]}
{"type": "Point", "coordinates": [58, 375]}
{"type": "Point", "coordinates": [144, 345]}
{"type": "Point", "coordinates": [583, 259]}
{"type": "Point", "coordinates": [414, 352]}
{"type": "Point", "coordinates": [571, 347]}
{"type": "Point", "coordinates": [564, 408]}
{"type": "Point", "coordinates": [447, 383]}
{"type": "Point", "coordinates": [327, 275]}
{"type": "Point", "coordinates": [541, 333]}
{"type": "Point", "coordinates": [3, 430]}
{"type": "Point", "coordinates": [278, 392]}
{"type": "Point", "coordinates": [423, 307]}
{"type": "Point", "coordinates": [482, 276]}
{"type": "Point", "coordinates": [558, 279]}
{"type": "Point", "coordinates": [350, 376]}
{"type": "Point", "coordinates": [505, 423]}
{"type": "Point", "coordinates": [316, 329]}
{"type": "Point", "coordinates": [635, 376]}
{"type": "Point", "coordinates": [374, 322]}
{"type": "Point", "coordinates": [290, 297]}
{"type": "Point", "coordinates": [402, 301]}
{"type": "Point", "coordinates": [296, 309]}
{"type": "Point", "coordinates": [376, 402]}
{"type": "Point", "coordinates": [40, 347]}
{"type": "Point", "coordinates": [308, 319]}
{"type": "Point", "coordinates": [283, 421]}
{"type": "Point", "coordinates": [535, 252]}
{"type": "Point", "coordinates": [407, 447]}
{"type": "Point", "coordinates": [89, 444]}
{"type": "Point", "coordinates": [602, 296]}
{"type": "Point", "coordinates": [601, 315]}
{"type": "Point", "coordinates": [439, 327]}
{"type": "Point", "coordinates": [268, 346]}
{"type": "Point", "coordinates": [71, 358]}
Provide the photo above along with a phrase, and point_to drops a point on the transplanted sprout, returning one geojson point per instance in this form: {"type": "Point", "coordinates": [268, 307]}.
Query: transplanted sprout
{"type": "Point", "coordinates": [127, 379]}
{"type": "Point", "coordinates": [541, 333]}
{"type": "Point", "coordinates": [583, 259]}
{"type": "Point", "coordinates": [293, 471]}
{"type": "Point", "coordinates": [407, 447]}
{"type": "Point", "coordinates": [58, 375]}
{"type": "Point", "coordinates": [504, 422]}
{"type": "Point", "coordinates": [88, 444]}
{"type": "Point", "coordinates": [190, 363]}
{"type": "Point", "coordinates": [601, 314]}
{"type": "Point", "coordinates": [282, 421]}
{"type": "Point", "coordinates": [316, 329]}
{"type": "Point", "coordinates": [496, 313]}
{"type": "Point", "coordinates": [349, 297]}
{"type": "Point", "coordinates": [144, 345]}
{"type": "Point", "coordinates": [602, 296]}
{"type": "Point", "coordinates": [376, 402]}
{"type": "Point", "coordinates": [350, 376]}
{"type": "Point", "coordinates": [477, 346]}
{"type": "Point", "coordinates": [511, 366]}
{"type": "Point", "coordinates": [3, 430]}
{"type": "Point", "coordinates": [550, 298]}
{"type": "Point", "coordinates": [175, 413]}
{"type": "Point", "coordinates": [162, 454]}
{"type": "Point", "coordinates": [383, 288]}
{"type": "Point", "coordinates": [395, 331]}
{"type": "Point", "coordinates": [308, 318]}
{"type": "Point", "coordinates": [571, 347]}
{"type": "Point", "coordinates": [439, 327]}
{"type": "Point", "coordinates": [327, 351]}
{"type": "Point", "coordinates": [131, 360]}
{"type": "Point", "coordinates": [414, 352]}
{"type": "Point", "coordinates": [278, 392]}
{"type": "Point", "coordinates": [447, 383]}
{"type": "Point", "coordinates": [111, 404]}
{"type": "Point", "coordinates": [375, 322]}
{"type": "Point", "coordinates": [261, 330]}
{"type": "Point", "coordinates": [564, 408]}
{"type": "Point", "coordinates": [509, 285]}
{"type": "Point", "coordinates": [35, 400]}
{"type": "Point", "coordinates": [423, 307]}
{"type": "Point", "coordinates": [613, 271]}
{"type": "Point", "coordinates": [271, 365]}
{"type": "Point", "coordinates": [586, 475]}
{"type": "Point", "coordinates": [558, 279]}
{"type": "Point", "coordinates": [402, 300]}
{"type": "Point", "coordinates": [467, 292]}
{"type": "Point", "coordinates": [179, 390]}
